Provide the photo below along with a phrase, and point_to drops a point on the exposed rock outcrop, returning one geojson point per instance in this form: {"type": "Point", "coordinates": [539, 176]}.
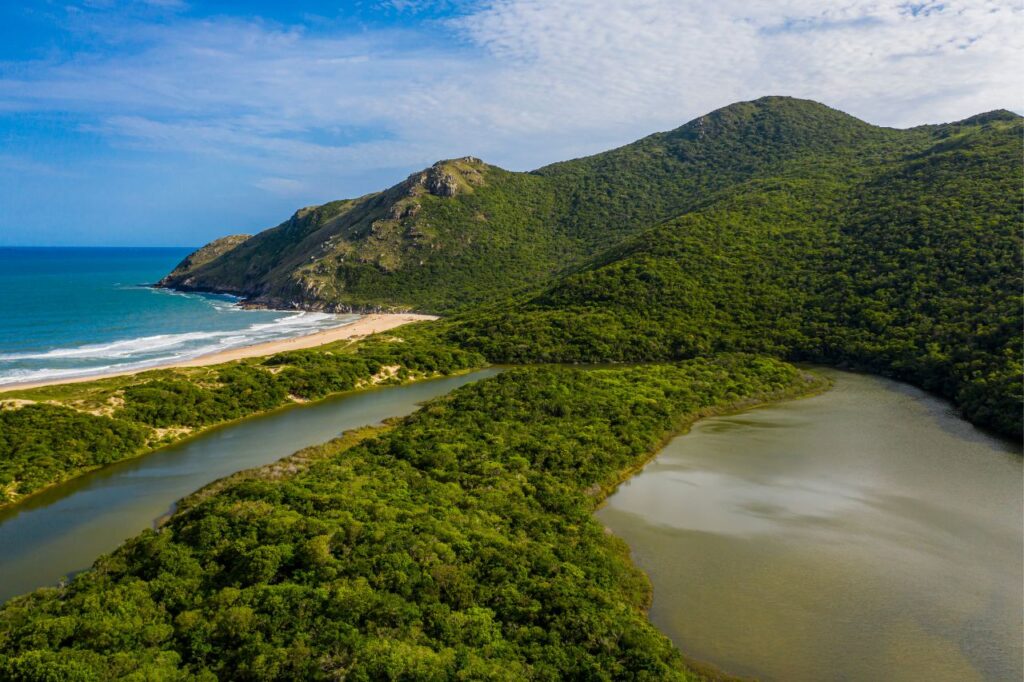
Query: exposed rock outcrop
{"type": "Point", "coordinates": [448, 178]}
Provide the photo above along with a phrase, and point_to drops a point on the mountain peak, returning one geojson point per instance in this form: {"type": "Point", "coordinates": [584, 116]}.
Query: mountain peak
{"type": "Point", "coordinates": [448, 177]}
{"type": "Point", "coordinates": [768, 113]}
{"type": "Point", "coordinates": [989, 117]}
{"type": "Point", "coordinates": [460, 230]}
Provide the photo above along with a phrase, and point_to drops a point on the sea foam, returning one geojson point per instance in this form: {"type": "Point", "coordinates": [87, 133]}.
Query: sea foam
{"type": "Point", "coordinates": [130, 354]}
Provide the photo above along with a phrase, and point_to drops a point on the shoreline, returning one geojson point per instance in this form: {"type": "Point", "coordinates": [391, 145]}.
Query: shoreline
{"type": "Point", "coordinates": [813, 385]}
{"type": "Point", "coordinates": [366, 325]}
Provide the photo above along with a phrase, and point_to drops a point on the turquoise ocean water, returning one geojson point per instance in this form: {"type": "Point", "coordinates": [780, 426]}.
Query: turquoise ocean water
{"type": "Point", "coordinates": [68, 312]}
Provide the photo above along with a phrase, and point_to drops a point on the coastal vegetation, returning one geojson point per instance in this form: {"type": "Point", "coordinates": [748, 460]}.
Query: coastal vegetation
{"type": "Point", "coordinates": [53, 433]}
{"type": "Point", "coordinates": [458, 543]}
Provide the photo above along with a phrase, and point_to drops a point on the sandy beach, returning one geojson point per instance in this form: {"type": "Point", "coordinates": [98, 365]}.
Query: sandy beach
{"type": "Point", "coordinates": [364, 326]}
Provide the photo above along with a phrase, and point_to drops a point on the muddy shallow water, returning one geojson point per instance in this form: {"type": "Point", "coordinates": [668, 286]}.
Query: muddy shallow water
{"type": "Point", "coordinates": [864, 534]}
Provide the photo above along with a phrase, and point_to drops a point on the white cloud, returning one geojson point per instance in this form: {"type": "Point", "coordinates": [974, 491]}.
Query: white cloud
{"type": "Point", "coordinates": [611, 62]}
{"type": "Point", "coordinates": [517, 82]}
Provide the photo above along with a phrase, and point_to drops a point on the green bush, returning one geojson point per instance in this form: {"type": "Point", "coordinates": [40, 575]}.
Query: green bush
{"type": "Point", "coordinates": [459, 544]}
{"type": "Point", "coordinates": [41, 444]}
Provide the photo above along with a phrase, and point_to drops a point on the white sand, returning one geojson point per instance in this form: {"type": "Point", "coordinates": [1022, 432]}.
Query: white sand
{"type": "Point", "coordinates": [364, 326]}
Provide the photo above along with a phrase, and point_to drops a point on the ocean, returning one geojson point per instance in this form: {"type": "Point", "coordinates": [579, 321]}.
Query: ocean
{"type": "Point", "coordinates": [70, 312]}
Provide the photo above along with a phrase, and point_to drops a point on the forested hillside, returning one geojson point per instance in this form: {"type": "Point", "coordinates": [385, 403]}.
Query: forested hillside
{"type": "Point", "coordinates": [777, 226]}
{"type": "Point", "coordinates": [463, 232]}
{"type": "Point", "coordinates": [913, 270]}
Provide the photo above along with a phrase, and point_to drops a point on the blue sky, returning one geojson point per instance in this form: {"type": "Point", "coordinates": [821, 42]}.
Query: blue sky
{"type": "Point", "coordinates": [172, 122]}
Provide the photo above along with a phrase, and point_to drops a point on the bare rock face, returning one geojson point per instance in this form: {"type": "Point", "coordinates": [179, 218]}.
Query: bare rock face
{"type": "Point", "coordinates": [402, 210]}
{"type": "Point", "coordinates": [441, 184]}
{"type": "Point", "coordinates": [447, 178]}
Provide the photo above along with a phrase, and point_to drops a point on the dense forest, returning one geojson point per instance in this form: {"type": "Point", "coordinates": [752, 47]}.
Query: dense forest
{"type": "Point", "coordinates": [50, 434]}
{"type": "Point", "coordinates": [776, 226]}
{"type": "Point", "coordinates": [914, 273]}
{"type": "Point", "coordinates": [456, 544]}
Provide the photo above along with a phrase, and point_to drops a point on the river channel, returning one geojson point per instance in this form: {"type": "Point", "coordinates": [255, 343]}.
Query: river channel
{"type": "Point", "coordinates": [66, 528]}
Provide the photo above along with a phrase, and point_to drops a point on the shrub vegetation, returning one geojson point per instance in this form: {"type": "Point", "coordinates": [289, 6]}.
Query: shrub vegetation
{"type": "Point", "coordinates": [458, 544]}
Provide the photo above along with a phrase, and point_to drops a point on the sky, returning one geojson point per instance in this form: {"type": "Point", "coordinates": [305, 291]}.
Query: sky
{"type": "Point", "coordinates": [173, 122]}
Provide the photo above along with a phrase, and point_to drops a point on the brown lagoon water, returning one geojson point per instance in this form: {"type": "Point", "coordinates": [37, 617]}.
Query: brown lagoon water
{"type": "Point", "coordinates": [65, 529]}
{"type": "Point", "coordinates": [864, 534]}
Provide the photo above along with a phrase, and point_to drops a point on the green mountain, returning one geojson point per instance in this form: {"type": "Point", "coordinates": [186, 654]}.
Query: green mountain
{"type": "Point", "coordinates": [910, 270]}
{"type": "Point", "coordinates": [459, 228]}
{"type": "Point", "coordinates": [463, 231]}
{"type": "Point", "coordinates": [779, 226]}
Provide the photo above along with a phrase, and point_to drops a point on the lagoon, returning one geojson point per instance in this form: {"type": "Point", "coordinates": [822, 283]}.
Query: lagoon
{"type": "Point", "coordinates": [866, 533]}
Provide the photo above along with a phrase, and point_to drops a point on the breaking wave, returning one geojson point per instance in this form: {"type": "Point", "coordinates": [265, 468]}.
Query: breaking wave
{"type": "Point", "coordinates": [159, 349]}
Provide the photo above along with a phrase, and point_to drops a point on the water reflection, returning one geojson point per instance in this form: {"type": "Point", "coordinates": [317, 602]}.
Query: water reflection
{"type": "Point", "coordinates": [863, 534]}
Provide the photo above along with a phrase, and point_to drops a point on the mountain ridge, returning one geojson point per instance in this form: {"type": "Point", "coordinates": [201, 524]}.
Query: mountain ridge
{"type": "Point", "coordinates": [389, 250]}
{"type": "Point", "coordinates": [577, 205]}
{"type": "Point", "coordinates": [776, 226]}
